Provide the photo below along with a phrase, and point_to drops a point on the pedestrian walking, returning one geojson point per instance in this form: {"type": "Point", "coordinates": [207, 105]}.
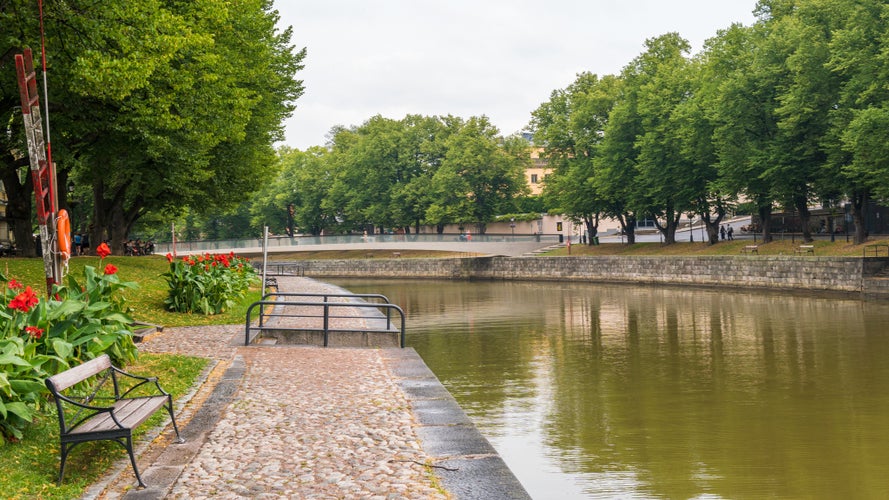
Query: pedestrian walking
{"type": "Point", "coordinates": [722, 232]}
{"type": "Point", "coordinates": [730, 233]}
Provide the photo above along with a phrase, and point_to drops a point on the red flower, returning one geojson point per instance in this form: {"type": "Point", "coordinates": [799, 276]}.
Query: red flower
{"type": "Point", "coordinates": [170, 258]}
{"type": "Point", "coordinates": [34, 332]}
{"type": "Point", "coordinates": [110, 269]}
{"type": "Point", "coordinates": [15, 285]}
{"type": "Point", "coordinates": [103, 251]}
{"type": "Point", "coordinates": [24, 301]}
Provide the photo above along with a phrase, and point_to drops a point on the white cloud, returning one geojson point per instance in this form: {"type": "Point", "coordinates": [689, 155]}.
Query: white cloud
{"type": "Point", "coordinates": [499, 58]}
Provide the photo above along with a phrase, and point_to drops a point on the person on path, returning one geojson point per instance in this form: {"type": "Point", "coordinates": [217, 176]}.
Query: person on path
{"type": "Point", "coordinates": [730, 233]}
{"type": "Point", "coordinates": [722, 232]}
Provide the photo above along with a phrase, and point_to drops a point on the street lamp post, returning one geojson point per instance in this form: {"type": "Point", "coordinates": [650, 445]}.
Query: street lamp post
{"type": "Point", "coordinates": [512, 226]}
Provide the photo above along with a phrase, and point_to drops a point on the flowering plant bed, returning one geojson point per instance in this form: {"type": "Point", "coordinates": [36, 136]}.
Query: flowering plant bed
{"type": "Point", "coordinates": [42, 336]}
{"type": "Point", "coordinates": [208, 283]}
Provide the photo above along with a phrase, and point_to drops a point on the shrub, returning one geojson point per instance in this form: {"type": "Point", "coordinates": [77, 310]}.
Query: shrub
{"type": "Point", "coordinates": [207, 284]}
{"type": "Point", "coordinates": [40, 337]}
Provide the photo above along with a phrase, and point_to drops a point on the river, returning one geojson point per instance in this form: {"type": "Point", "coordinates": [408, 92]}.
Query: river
{"type": "Point", "coordinates": [604, 391]}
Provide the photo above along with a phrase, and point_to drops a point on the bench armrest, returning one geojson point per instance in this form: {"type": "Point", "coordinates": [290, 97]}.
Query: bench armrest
{"type": "Point", "coordinates": [144, 380]}
{"type": "Point", "coordinates": [85, 406]}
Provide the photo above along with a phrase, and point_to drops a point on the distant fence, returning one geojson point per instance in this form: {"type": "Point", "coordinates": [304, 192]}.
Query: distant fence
{"type": "Point", "coordinates": [285, 241]}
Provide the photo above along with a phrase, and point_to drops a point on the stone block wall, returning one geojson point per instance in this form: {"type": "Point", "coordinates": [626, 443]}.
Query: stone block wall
{"type": "Point", "coordinates": [843, 274]}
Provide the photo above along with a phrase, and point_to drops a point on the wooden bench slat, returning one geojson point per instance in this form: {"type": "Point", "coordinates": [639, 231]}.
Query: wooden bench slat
{"type": "Point", "coordinates": [80, 373]}
{"type": "Point", "coordinates": [129, 412]}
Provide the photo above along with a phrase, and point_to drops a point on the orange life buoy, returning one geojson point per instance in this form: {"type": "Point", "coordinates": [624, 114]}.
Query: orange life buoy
{"type": "Point", "coordinates": [63, 234]}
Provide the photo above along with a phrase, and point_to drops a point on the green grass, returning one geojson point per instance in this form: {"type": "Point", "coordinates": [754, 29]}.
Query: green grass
{"type": "Point", "coordinates": [146, 302]}
{"type": "Point", "coordinates": [823, 248]}
{"type": "Point", "coordinates": [31, 466]}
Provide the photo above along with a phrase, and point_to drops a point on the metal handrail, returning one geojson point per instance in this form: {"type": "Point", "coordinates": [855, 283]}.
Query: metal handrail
{"type": "Point", "coordinates": [875, 248]}
{"type": "Point", "coordinates": [326, 314]}
{"type": "Point", "coordinates": [324, 296]}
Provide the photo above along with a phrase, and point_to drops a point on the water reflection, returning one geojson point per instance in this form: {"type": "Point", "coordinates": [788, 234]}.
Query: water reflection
{"type": "Point", "coordinates": [601, 391]}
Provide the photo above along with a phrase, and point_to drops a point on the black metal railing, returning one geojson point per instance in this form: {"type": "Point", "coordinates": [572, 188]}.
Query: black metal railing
{"type": "Point", "coordinates": [324, 309]}
{"type": "Point", "coordinates": [876, 250]}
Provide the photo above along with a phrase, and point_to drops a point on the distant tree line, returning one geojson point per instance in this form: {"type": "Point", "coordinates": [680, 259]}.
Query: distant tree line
{"type": "Point", "coordinates": [785, 114]}
{"type": "Point", "coordinates": [789, 112]}
{"type": "Point", "coordinates": [400, 174]}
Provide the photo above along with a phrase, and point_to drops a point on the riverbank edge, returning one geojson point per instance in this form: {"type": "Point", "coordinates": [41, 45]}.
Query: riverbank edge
{"type": "Point", "coordinates": [464, 461]}
{"type": "Point", "coordinates": [847, 275]}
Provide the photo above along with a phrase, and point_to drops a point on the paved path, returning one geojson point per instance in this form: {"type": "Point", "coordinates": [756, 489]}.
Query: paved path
{"type": "Point", "coordinates": [284, 422]}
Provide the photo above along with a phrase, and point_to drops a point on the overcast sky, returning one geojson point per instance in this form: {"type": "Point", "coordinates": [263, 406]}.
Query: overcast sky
{"type": "Point", "coordinates": [499, 58]}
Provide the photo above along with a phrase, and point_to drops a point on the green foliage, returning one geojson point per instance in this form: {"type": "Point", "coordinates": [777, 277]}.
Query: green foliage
{"type": "Point", "coordinates": [207, 284]}
{"type": "Point", "coordinates": [40, 337]}
{"type": "Point", "coordinates": [167, 104]}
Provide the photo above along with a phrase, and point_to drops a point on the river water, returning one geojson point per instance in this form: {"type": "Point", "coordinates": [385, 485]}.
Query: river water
{"type": "Point", "coordinates": [604, 391]}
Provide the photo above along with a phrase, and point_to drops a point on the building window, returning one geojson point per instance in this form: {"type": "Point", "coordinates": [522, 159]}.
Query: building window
{"type": "Point", "coordinates": [533, 178]}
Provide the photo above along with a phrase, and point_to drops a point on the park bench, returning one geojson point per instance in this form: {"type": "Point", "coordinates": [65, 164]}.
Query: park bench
{"type": "Point", "coordinates": [805, 249]}
{"type": "Point", "coordinates": [750, 249]}
{"type": "Point", "coordinates": [131, 400]}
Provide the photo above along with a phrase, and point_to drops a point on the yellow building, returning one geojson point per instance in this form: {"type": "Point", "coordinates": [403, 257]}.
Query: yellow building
{"type": "Point", "coordinates": [538, 171]}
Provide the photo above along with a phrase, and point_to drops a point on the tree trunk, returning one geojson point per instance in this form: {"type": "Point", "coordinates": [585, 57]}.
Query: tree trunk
{"type": "Point", "coordinates": [592, 227]}
{"type": "Point", "coordinates": [765, 219]}
{"type": "Point", "coordinates": [712, 227]}
{"type": "Point", "coordinates": [668, 230]}
{"type": "Point", "coordinates": [118, 230]}
{"type": "Point", "coordinates": [97, 228]}
{"type": "Point", "coordinates": [628, 225]}
{"type": "Point", "coordinates": [859, 202]}
{"type": "Point", "coordinates": [20, 199]}
{"type": "Point", "coordinates": [805, 217]}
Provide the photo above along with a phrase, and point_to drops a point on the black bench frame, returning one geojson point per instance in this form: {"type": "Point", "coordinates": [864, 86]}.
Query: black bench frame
{"type": "Point", "coordinates": [114, 422]}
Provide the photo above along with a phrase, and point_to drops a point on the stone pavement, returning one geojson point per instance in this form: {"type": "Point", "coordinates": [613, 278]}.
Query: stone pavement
{"type": "Point", "coordinates": [308, 422]}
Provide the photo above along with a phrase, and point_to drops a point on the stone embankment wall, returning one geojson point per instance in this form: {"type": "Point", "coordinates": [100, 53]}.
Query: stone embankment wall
{"type": "Point", "coordinates": [841, 274]}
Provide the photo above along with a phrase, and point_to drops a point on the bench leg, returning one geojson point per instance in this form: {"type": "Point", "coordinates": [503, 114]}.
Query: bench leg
{"type": "Point", "coordinates": [65, 450]}
{"type": "Point", "coordinates": [129, 447]}
{"type": "Point", "coordinates": [173, 418]}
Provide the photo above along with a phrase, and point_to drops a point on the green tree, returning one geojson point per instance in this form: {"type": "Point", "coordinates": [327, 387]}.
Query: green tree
{"type": "Point", "coordinates": [669, 181]}
{"type": "Point", "coordinates": [479, 177]}
{"type": "Point", "coordinates": [856, 145]}
{"type": "Point", "coordinates": [164, 105]}
{"type": "Point", "coordinates": [740, 102]}
{"type": "Point", "coordinates": [570, 127]}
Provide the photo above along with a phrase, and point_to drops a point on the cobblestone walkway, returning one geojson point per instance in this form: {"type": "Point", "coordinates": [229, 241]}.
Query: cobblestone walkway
{"type": "Point", "coordinates": [306, 422]}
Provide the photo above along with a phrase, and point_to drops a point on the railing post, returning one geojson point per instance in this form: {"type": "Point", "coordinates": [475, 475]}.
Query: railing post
{"type": "Point", "coordinates": [261, 314]}
{"type": "Point", "coordinates": [247, 326]}
{"type": "Point", "coordinates": [402, 329]}
{"type": "Point", "coordinates": [326, 321]}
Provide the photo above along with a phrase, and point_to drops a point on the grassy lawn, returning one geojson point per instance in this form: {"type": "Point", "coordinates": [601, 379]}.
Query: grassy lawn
{"type": "Point", "coordinates": [823, 248]}
{"type": "Point", "coordinates": [147, 302]}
